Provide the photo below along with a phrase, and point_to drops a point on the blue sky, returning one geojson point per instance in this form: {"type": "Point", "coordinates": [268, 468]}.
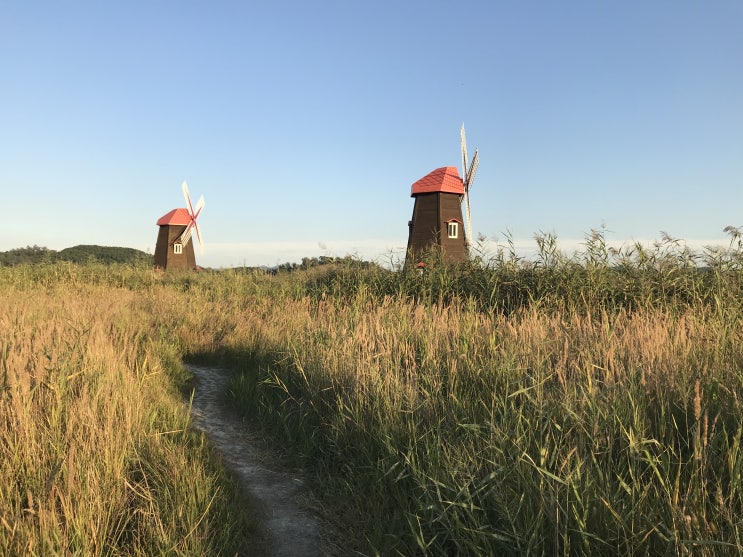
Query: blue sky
{"type": "Point", "coordinates": [304, 124]}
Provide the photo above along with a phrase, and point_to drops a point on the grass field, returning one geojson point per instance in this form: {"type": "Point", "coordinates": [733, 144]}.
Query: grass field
{"type": "Point", "coordinates": [577, 406]}
{"type": "Point", "coordinates": [98, 456]}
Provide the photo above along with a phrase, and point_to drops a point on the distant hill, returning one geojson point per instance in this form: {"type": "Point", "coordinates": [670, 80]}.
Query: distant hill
{"type": "Point", "coordinates": [29, 254]}
{"type": "Point", "coordinates": [103, 254]}
{"type": "Point", "coordinates": [76, 254]}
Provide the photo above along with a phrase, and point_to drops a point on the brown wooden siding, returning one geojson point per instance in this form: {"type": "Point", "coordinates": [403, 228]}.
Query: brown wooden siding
{"type": "Point", "coordinates": [454, 249]}
{"type": "Point", "coordinates": [164, 256]}
{"type": "Point", "coordinates": [428, 229]}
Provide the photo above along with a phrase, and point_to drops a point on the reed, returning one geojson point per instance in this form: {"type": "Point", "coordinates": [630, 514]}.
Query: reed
{"type": "Point", "coordinates": [577, 406]}
{"type": "Point", "coordinates": [581, 405]}
{"type": "Point", "coordinates": [477, 434]}
{"type": "Point", "coordinates": [98, 453]}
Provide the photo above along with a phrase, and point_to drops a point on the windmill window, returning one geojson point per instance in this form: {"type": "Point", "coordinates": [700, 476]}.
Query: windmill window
{"type": "Point", "coordinates": [452, 229]}
{"type": "Point", "coordinates": [178, 248]}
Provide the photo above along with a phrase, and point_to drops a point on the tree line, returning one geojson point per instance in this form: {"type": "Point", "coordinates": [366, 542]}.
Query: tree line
{"type": "Point", "coordinates": [77, 254]}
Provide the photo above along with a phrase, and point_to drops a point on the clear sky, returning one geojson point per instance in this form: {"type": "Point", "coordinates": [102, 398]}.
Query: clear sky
{"type": "Point", "coordinates": [304, 124]}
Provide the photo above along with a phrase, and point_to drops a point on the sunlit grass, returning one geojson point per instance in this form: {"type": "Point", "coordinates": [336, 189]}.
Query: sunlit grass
{"type": "Point", "coordinates": [588, 404]}
{"type": "Point", "coordinates": [522, 434]}
{"type": "Point", "coordinates": [98, 454]}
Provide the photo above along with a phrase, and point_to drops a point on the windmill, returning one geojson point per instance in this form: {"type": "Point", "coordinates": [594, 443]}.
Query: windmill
{"type": "Point", "coordinates": [437, 222]}
{"type": "Point", "coordinates": [174, 248]}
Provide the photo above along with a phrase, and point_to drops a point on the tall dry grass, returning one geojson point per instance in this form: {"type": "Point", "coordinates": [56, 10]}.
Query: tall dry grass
{"type": "Point", "coordinates": [587, 405]}
{"type": "Point", "coordinates": [460, 432]}
{"type": "Point", "coordinates": [583, 406]}
{"type": "Point", "coordinates": [98, 453]}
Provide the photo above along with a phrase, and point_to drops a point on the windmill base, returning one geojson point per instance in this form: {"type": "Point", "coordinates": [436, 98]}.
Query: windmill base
{"type": "Point", "coordinates": [166, 257]}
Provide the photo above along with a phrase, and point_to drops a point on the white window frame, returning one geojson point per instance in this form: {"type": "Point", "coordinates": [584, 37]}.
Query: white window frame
{"type": "Point", "coordinates": [178, 248]}
{"type": "Point", "coordinates": [452, 229]}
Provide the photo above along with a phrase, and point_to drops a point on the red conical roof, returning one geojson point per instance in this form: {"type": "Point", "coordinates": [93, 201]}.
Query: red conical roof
{"type": "Point", "coordinates": [176, 217]}
{"type": "Point", "coordinates": [445, 179]}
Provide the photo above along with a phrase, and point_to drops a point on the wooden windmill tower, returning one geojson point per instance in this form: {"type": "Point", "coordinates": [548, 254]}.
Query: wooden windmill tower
{"type": "Point", "coordinates": [174, 250]}
{"type": "Point", "coordinates": [437, 221]}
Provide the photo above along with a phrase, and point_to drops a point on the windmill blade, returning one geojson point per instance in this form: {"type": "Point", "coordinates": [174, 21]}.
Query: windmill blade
{"type": "Point", "coordinates": [186, 236]}
{"type": "Point", "coordinates": [199, 207]}
{"type": "Point", "coordinates": [468, 238]}
{"type": "Point", "coordinates": [194, 213]}
{"type": "Point", "coordinates": [473, 170]}
{"type": "Point", "coordinates": [463, 142]}
{"type": "Point", "coordinates": [184, 186]}
{"type": "Point", "coordinates": [198, 237]}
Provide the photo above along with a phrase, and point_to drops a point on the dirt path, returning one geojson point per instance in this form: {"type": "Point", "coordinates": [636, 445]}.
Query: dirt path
{"type": "Point", "coordinates": [292, 522]}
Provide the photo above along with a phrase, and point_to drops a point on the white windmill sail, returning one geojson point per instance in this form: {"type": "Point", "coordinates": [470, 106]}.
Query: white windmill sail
{"type": "Point", "coordinates": [468, 176]}
{"type": "Point", "coordinates": [193, 214]}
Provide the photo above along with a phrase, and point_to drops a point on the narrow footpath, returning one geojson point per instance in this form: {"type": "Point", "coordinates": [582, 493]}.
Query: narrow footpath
{"type": "Point", "coordinates": [292, 523]}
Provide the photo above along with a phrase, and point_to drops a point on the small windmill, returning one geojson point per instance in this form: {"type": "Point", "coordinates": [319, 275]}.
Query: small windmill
{"type": "Point", "coordinates": [174, 249]}
{"type": "Point", "coordinates": [437, 221]}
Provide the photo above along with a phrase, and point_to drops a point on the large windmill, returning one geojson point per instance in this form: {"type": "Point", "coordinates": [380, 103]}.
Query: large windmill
{"type": "Point", "coordinates": [437, 222]}
{"type": "Point", "coordinates": [174, 249]}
